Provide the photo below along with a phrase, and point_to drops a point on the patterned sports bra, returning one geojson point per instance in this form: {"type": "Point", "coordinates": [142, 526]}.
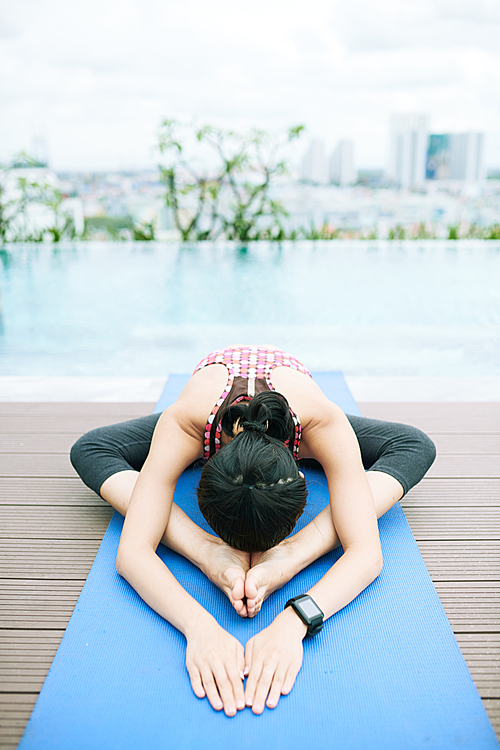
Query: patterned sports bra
{"type": "Point", "coordinates": [249, 372]}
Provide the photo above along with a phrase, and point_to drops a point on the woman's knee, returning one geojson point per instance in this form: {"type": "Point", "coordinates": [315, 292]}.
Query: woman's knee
{"type": "Point", "coordinates": [421, 445]}
{"type": "Point", "coordinates": [85, 447]}
{"type": "Point", "coordinates": [94, 458]}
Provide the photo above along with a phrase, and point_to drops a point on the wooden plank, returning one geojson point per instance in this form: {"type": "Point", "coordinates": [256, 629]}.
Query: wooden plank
{"type": "Point", "coordinates": [28, 678]}
{"type": "Point", "coordinates": [74, 423]}
{"type": "Point", "coordinates": [462, 561]}
{"type": "Point", "coordinates": [481, 466]}
{"type": "Point", "coordinates": [40, 637]}
{"type": "Point", "coordinates": [464, 523]}
{"type": "Point", "coordinates": [465, 444]}
{"type": "Point", "coordinates": [36, 465]}
{"type": "Point", "coordinates": [25, 442]}
{"type": "Point", "coordinates": [46, 491]}
{"type": "Point", "coordinates": [492, 707]}
{"type": "Point", "coordinates": [483, 643]}
{"type": "Point", "coordinates": [449, 410]}
{"type": "Point", "coordinates": [88, 408]}
{"type": "Point", "coordinates": [65, 559]}
{"type": "Point", "coordinates": [15, 709]}
{"type": "Point", "coordinates": [453, 492]}
{"type": "Point", "coordinates": [449, 418]}
{"type": "Point", "coordinates": [78, 522]}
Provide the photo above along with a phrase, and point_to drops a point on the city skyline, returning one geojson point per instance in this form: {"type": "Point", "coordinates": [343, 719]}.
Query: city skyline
{"type": "Point", "coordinates": [95, 79]}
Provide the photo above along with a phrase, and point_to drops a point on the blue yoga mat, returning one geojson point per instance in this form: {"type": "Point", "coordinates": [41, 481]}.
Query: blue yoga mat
{"type": "Point", "coordinates": [385, 673]}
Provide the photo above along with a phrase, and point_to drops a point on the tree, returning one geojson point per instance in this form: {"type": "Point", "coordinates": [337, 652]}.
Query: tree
{"type": "Point", "coordinates": [231, 197]}
{"type": "Point", "coordinates": [18, 192]}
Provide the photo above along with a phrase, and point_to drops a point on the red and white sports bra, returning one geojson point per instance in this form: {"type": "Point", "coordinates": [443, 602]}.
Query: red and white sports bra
{"type": "Point", "coordinates": [249, 372]}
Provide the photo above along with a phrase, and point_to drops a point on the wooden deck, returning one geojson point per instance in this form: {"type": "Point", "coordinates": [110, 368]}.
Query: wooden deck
{"type": "Point", "coordinates": [51, 527]}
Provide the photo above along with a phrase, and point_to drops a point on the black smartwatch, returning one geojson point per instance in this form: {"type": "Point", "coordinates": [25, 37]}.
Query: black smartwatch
{"type": "Point", "coordinates": [308, 611]}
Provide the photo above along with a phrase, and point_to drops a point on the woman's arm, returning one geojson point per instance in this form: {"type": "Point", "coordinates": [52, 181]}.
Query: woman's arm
{"type": "Point", "coordinates": [214, 658]}
{"type": "Point", "coordinates": [275, 654]}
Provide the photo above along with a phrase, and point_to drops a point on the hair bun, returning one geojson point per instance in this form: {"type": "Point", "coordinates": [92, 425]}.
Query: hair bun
{"type": "Point", "coordinates": [252, 426]}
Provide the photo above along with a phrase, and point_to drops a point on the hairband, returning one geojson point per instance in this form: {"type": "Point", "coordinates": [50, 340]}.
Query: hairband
{"type": "Point", "coordinates": [254, 426]}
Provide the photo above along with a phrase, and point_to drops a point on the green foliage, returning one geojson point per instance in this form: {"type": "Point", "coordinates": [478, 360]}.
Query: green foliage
{"type": "Point", "coordinates": [454, 232]}
{"type": "Point", "coordinates": [233, 198]}
{"type": "Point", "coordinates": [144, 232]}
{"type": "Point", "coordinates": [493, 233]}
{"type": "Point", "coordinates": [116, 228]}
{"type": "Point", "coordinates": [14, 222]}
{"type": "Point", "coordinates": [397, 233]}
{"type": "Point", "coordinates": [323, 232]}
{"type": "Point", "coordinates": [422, 232]}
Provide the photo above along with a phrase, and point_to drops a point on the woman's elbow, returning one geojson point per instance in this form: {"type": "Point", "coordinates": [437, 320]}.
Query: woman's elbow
{"type": "Point", "coordinates": [123, 561]}
{"type": "Point", "coordinates": [378, 565]}
{"type": "Point", "coordinates": [375, 564]}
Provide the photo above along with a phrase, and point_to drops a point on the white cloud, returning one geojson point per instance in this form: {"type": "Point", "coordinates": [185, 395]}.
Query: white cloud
{"type": "Point", "coordinates": [97, 76]}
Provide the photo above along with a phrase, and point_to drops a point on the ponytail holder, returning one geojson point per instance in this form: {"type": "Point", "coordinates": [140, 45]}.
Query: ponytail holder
{"type": "Point", "coordinates": [254, 426]}
{"type": "Point", "coordinates": [248, 486]}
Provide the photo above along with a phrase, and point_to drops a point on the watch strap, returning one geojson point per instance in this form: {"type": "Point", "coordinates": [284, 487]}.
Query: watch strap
{"type": "Point", "coordinates": [314, 624]}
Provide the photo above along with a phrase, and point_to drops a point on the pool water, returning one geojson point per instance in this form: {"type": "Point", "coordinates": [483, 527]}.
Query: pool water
{"type": "Point", "coordinates": [147, 309]}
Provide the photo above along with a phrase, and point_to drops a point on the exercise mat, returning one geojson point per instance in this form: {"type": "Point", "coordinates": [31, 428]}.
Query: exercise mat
{"type": "Point", "coordinates": [385, 673]}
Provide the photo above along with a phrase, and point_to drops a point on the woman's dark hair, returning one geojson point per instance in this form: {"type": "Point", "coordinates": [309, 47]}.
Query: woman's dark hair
{"type": "Point", "coordinates": [250, 492]}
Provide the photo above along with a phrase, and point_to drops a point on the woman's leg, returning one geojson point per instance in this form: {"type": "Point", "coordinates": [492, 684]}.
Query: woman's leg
{"type": "Point", "coordinates": [396, 457]}
{"type": "Point", "coordinates": [109, 459]}
{"type": "Point", "coordinates": [100, 453]}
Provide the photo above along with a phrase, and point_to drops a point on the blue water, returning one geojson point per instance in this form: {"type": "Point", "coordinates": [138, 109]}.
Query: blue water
{"type": "Point", "coordinates": [140, 309]}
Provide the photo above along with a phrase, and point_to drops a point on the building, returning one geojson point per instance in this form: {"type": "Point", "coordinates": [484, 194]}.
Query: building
{"type": "Point", "coordinates": [438, 157]}
{"type": "Point", "coordinates": [408, 151]}
{"type": "Point", "coordinates": [456, 156]}
{"type": "Point", "coordinates": [467, 157]}
{"type": "Point", "coordinates": [342, 170]}
{"type": "Point", "coordinates": [313, 168]}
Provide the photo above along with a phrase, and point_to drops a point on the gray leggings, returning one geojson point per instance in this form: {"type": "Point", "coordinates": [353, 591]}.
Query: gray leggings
{"type": "Point", "coordinates": [404, 452]}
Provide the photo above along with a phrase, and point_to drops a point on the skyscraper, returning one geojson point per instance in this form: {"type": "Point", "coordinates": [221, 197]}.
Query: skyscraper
{"type": "Point", "coordinates": [408, 150]}
{"type": "Point", "coordinates": [466, 157]}
{"type": "Point", "coordinates": [342, 164]}
{"type": "Point", "coordinates": [455, 156]}
{"type": "Point", "coordinates": [438, 157]}
{"type": "Point", "coordinates": [314, 166]}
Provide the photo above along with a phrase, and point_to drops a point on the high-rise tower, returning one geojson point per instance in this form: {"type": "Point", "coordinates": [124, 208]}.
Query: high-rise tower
{"type": "Point", "coordinates": [408, 150]}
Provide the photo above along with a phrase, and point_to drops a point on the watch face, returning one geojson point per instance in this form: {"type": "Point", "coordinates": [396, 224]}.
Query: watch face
{"type": "Point", "coordinates": [309, 608]}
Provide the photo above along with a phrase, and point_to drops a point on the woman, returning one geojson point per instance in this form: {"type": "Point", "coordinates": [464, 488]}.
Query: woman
{"type": "Point", "coordinates": [268, 413]}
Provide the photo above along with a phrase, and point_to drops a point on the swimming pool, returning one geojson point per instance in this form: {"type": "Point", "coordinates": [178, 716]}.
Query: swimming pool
{"type": "Point", "coordinates": [141, 309]}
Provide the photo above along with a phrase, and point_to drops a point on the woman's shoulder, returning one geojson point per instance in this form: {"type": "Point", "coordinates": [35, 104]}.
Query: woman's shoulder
{"type": "Point", "coordinates": [195, 403]}
{"type": "Point", "coordinates": [305, 396]}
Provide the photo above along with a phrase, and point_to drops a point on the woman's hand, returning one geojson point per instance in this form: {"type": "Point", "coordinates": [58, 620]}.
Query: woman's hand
{"type": "Point", "coordinates": [226, 568]}
{"type": "Point", "coordinates": [215, 661]}
{"type": "Point", "coordinates": [274, 659]}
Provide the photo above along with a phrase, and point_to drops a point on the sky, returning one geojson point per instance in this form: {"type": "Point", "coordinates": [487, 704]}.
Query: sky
{"type": "Point", "coordinates": [94, 78]}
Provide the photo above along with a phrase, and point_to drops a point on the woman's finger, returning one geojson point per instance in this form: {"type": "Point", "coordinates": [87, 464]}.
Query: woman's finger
{"type": "Point", "coordinates": [196, 684]}
{"type": "Point", "coordinates": [237, 685]}
{"type": "Point", "coordinates": [275, 691]}
{"type": "Point", "coordinates": [248, 655]}
{"type": "Point", "coordinates": [211, 690]}
{"type": "Point", "coordinates": [290, 678]}
{"type": "Point", "coordinates": [226, 692]}
{"type": "Point", "coordinates": [262, 688]}
{"type": "Point", "coordinates": [252, 681]}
